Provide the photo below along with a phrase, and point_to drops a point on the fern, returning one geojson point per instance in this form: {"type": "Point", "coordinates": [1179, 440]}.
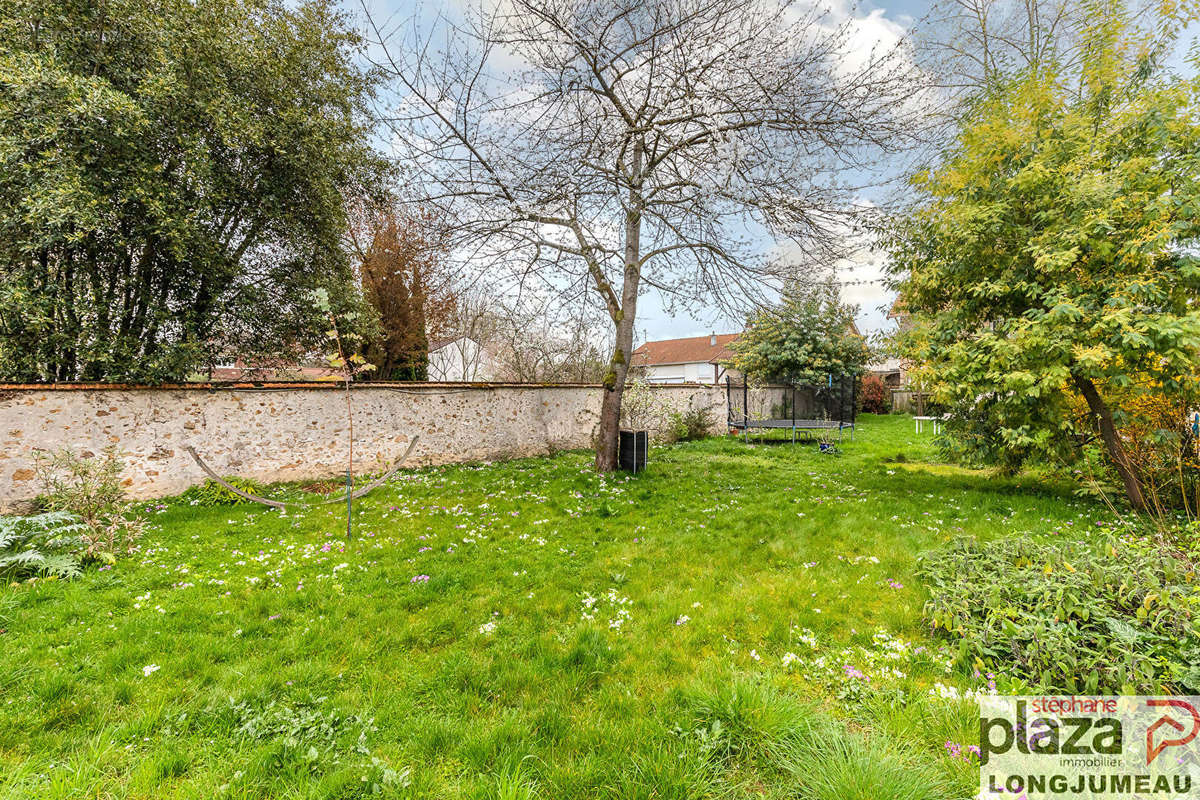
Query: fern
{"type": "Point", "coordinates": [46, 544]}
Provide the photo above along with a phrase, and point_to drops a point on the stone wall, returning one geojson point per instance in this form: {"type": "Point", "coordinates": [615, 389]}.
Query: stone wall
{"type": "Point", "coordinates": [295, 431]}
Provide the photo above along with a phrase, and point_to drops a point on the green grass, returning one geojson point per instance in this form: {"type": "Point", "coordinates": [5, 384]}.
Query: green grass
{"type": "Point", "coordinates": [679, 634]}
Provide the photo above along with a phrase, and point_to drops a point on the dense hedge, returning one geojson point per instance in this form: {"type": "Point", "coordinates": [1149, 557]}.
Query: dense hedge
{"type": "Point", "coordinates": [1075, 617]}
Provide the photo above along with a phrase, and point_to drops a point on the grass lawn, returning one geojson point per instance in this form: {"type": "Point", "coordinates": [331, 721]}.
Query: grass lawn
{"type": "Point", "coordinates": [738, 621]}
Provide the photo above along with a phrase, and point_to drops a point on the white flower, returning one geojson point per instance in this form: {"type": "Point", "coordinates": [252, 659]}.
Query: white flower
{"type": "Point", "coordinates": [150, 669]}
{"type": "Point", "coordinates": [488, 627]}
{"type": "Point", "coordinates": [683, 620]}
{"type": "Point", "coordinates": [952, 692]}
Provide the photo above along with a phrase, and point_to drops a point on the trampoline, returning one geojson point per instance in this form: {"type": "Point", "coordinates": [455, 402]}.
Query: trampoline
{"type": "Point", "coordinates": [806, 409]}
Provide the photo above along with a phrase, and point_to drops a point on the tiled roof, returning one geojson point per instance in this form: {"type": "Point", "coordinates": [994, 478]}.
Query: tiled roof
{"type": "Point", "coordinates": [697, 349]}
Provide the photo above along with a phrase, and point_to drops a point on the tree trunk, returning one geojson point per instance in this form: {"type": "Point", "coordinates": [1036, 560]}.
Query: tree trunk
{"type": "Point", "coordinates": [608, 435]}
{"type": "Point", "coordinates": [614, 387]}
{"type": "Point", "coordinates": [1112, 442]}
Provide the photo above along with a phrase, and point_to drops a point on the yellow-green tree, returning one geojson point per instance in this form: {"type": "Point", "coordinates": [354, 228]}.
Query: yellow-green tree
{"type": "Point", "coordinates": [1050, 262]}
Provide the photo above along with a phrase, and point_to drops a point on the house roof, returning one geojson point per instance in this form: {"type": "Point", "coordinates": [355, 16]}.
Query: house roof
{"type": "Point", "coordinates": [694, 350]}
{"type": "Point", "coordinates": [438, 344]}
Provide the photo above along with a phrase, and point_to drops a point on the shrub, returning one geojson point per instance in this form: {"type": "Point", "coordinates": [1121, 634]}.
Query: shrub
{"type": "Point", "coordinates": [642, 407]}
{"type": "Point", "coordinates": [87, 486]}
{"type": "Point", "coordinates": [1162, 448]}
{"type": "Point", "coordinates": [211, 493]}
{"type": "Point", "coordinates": [876, 399]}
{"type": "Point", "coordinates": [1069, 617]}
{"type": "Point", "coordinates": [45, 544]}
{"type": "Point", "coordinates": [90, 488]}
{"type": "Point", "coordinates": [695, 423]}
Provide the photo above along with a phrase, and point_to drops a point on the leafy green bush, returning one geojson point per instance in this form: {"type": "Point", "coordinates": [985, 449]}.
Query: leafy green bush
{"type": "Point", "coordinates": [45, 544]}
{"type": "Point", "coordinates": [695, 423]}
{"type": "Point", "coordinates": [211, 493]}
{"type": "Point", "coordinates": [87, 486]}
{"type": "Point", "coordinates": [1069, 617]}
{"type": "Point", "coordinates": [90, 488]}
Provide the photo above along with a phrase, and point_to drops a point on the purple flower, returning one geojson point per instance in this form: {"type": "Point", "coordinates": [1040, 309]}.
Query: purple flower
{"type": "Point", "coordinates": [419, 579]}
{"type": "Point", "coordinates": [852, 672]}
{"type": "Point", "coordinates": [955, 750]}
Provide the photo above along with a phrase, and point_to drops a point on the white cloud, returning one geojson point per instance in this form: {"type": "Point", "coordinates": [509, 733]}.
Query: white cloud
{"type": "Point", "coordinates": [862, 275]}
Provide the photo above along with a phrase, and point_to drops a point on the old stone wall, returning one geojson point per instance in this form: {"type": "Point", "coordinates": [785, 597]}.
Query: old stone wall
{"type": "Point", "coordinates": [296, 431]}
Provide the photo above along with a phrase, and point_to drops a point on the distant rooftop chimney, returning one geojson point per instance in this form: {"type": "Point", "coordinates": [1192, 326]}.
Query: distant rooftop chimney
{"type": "Point", "coordinates": [712, 339]}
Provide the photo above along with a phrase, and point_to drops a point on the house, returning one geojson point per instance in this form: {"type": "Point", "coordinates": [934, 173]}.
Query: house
{"type": "Point", "coordinates": [895, 372]}
{"type": "Point", "coordinates": [890, 371]}
{"type": "Point", "coordinates": [693, 360]}
{"type": "Point", "coordinates": [461, 359]}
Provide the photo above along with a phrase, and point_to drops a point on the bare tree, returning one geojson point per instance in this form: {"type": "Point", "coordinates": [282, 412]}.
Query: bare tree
{"type": "Point", "coordinates": [634, 144]}
{"type": "Point", "coordinates": [970, 44]}
{"type": "Point", "coordinates": [492, 337]}
{"type": "Point", "coordinates": [539, 346]}
{"type": "Point", "coordinates": [465, 335]}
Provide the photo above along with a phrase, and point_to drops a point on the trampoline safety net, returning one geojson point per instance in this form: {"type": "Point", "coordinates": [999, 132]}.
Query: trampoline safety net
{"type": "Point", "coordinates": [820, 405]}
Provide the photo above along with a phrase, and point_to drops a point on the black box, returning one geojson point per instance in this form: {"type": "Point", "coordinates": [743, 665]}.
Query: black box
{"type": "Point", "coordinates": [631, 455]}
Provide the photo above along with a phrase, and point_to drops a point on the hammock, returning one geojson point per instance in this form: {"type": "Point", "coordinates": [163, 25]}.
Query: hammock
{"type": "Point", "coordinates": [282, 506]}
